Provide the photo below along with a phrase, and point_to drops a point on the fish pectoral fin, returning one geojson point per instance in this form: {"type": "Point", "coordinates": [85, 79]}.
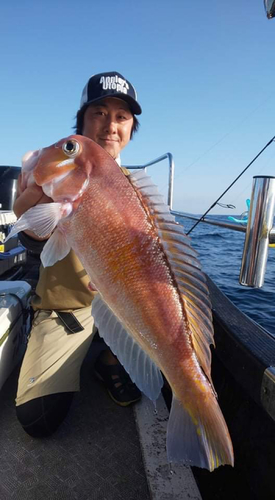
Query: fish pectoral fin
{"type": "Point", "coordinates": [199, 437]}
{"type": "Point", "coordinates": [55, 249]}
{"type": "Point", "coordinates": [41, 219]}
{"type": "Point", "coordinates": [142, 370]}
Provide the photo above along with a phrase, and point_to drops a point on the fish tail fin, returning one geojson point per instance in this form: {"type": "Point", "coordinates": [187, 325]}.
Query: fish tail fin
{"type": "Point", "coordinates": [199, 437]}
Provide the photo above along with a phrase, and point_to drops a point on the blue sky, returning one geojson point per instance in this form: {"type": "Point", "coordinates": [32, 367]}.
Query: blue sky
{"type": "Point", "coordinates": [204, 73]}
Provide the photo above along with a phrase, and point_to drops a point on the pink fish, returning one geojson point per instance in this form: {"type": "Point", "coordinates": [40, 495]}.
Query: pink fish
{"type": "Point", "coordinates": [153, 307]}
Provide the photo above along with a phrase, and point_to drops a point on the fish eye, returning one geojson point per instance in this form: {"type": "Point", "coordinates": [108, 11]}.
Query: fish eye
{"type": "Point", "coordinates": [70, 148]}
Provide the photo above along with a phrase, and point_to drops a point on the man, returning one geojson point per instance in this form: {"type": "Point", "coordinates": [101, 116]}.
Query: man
{"type": "Point", "coordinates": [62, 329]}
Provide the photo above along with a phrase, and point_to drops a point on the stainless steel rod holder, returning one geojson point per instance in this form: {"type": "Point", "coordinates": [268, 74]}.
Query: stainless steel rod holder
{"type": "Point", "coordinates": [259, 225]}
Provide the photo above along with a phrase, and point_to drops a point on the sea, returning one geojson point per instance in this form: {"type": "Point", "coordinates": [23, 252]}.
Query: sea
{"type": "Point", "coordinates": [220, 253]}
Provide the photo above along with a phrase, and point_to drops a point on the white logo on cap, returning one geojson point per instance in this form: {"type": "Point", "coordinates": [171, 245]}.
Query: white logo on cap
{"type": "Point", "coordinates": [114, 83]}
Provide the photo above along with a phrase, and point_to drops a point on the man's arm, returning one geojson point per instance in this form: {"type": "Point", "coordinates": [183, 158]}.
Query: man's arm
{"type": "Point", "coordinates": [34, 246]}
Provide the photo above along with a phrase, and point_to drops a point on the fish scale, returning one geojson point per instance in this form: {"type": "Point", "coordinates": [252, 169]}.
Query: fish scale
{"type": "Point", "coordinates": [134, 272]}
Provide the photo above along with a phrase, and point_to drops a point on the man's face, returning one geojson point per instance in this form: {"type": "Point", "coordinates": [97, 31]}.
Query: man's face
{"type": "Point", "coordinates": [109, 123]}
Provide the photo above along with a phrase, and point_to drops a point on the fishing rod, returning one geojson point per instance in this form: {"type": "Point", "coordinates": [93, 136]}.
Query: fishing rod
{"type": "Point", "coordinates": [227, 189]}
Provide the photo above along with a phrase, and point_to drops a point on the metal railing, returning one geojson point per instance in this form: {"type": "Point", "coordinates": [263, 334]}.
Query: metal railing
{"type": "Point", "coordinates": [225, 225]}
{"type": "Point", "coordinates": [169, 156]}
{"type": "Point", "coordinates": [259, 231]}
{"type": "Point", "coordinates": [212, 222]}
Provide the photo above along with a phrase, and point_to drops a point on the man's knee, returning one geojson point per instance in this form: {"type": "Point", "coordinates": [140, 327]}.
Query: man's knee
{"type": "Point", "coordinates": [41, 417]}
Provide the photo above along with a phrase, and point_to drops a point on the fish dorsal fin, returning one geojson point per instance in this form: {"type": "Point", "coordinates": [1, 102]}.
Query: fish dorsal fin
{"type": "Point", "coordinates": [185, 267]}
{"type": "Point", "coordinates": [136, 362]}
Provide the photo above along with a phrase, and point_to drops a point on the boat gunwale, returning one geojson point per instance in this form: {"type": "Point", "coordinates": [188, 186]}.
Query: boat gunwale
{"type": "Point", "coordinates": [245, 348]}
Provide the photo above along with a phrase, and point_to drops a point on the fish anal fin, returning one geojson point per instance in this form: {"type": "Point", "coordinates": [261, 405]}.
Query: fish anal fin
{"type": "Point", "coordinates": [142, 370]}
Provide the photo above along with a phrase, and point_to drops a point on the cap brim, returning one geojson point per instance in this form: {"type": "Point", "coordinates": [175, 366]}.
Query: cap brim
{"type": "Point", "coordinates": [133, 105]}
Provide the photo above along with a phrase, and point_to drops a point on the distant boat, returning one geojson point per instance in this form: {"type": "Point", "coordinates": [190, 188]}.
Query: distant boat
{"type": "Point", "coordinates": [244, 216]}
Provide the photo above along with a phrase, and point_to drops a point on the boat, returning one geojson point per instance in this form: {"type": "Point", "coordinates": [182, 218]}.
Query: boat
{"type": "Point", "coordinates": [103, 451]}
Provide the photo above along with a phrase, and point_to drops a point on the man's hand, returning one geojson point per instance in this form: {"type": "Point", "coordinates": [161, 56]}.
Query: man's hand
{"type": "Point", "coordinates": [31, 196]}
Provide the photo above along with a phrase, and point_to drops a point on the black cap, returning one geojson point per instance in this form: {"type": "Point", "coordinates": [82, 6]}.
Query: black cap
{"type": "Point", "coordinates": [110, 84]}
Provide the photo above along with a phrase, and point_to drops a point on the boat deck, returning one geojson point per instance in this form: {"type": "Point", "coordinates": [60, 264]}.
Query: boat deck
{"type": "Point", "coordinates": [94, 454]}
{"type": "Point", "coordinates": [101, 451]}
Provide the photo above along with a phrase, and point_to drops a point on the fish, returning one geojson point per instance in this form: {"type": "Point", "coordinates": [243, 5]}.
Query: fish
{"type": "Point", "coordinates": [152, 307]}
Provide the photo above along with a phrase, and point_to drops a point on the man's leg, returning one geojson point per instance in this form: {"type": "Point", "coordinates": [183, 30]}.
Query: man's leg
{"type": "Point", "coordinates": [50, 371]}
{"type": "Point", "coordinates": [41, 417]}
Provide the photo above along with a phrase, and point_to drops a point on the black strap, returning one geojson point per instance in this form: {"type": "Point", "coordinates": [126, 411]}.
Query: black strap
{"type": "Point", "coordinates": [33, 246]}
{"type": "Point", "coordinates": [70, 321]}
